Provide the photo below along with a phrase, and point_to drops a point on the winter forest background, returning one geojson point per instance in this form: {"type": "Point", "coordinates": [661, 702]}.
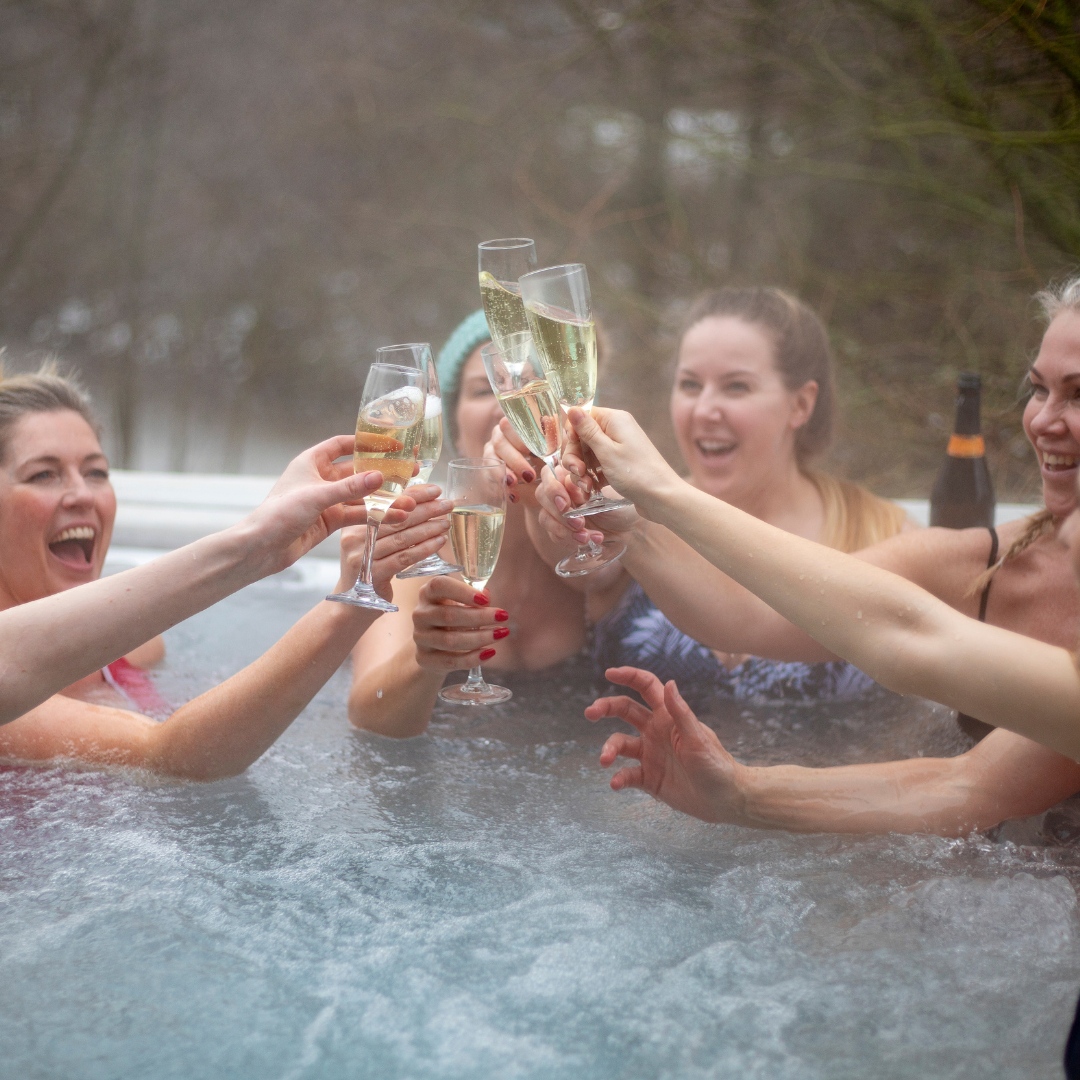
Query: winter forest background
{"type": "Point", "coordinates": [215, 212]}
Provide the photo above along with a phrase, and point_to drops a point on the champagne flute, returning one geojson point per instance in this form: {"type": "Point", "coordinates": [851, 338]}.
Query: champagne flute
{"type": "Point", "coordinates": [524, 394]}
{"type": "Point", "coordinates": [477, 487]}
{"type": "Point", "coordinates": [419, 354]}
{"type": "Point", "coordinates": [558, 306]}
{"type": "Point", "coordinates": [502, 262]}
{"type": "Point", "coordinates": [389, 428]}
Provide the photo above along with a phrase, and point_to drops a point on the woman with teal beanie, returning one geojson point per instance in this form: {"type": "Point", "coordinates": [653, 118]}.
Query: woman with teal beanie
{"type": "Point", "coordinates": [526, 620]}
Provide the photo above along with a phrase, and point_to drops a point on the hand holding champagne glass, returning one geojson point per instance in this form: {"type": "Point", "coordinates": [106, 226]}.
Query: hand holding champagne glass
{"type": "Point", "coordinates": [389, 429]}
{"type": "Point", "coordinates": [558, 306]}
{"type": "Point", "coordinates": [524, 394]}
{"type": "Point", "coordinates": [418, 354]}
{"type": "Point", "coordinates": [477, 487]}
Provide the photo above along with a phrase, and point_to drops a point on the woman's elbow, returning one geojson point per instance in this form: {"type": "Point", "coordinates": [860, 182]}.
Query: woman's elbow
{"type": "Point", "coordinates": [375, 713]}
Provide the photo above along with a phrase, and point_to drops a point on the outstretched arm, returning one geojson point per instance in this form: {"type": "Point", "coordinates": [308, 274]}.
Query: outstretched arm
{"type": "Point", "coordinates": [896, 632]}
{"type": "Point", "coordinates": [50, 643]}
{"type": "Point", "coordinates": [223, 731]}
{"type": "Point", "coordinates": [681, 762]}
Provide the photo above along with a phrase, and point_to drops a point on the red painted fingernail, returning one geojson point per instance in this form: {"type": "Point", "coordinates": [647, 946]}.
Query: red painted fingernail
{"type": "Point", "coordinates": [512, 497]}
{"type": "Point", "coordinates": [528, 475]}
{"type": "Point", "coordinates": [500, 632]}
{"type": "Point", "coordinates": [480, 600]}
{"type": "Point", "coordinates": [502, 616]}
{"type": "Point", "coordinates": [509, 479]}
{"type": "Point", "coordinates": [487, 654]}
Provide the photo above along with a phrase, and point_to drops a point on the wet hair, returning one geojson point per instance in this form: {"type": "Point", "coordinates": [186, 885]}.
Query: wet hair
{"type": "Point", "coordinates": [43, 391]}
{"type": "Point", "coordinates": [801, 351]}
{"type": "Point", "coordinates": [854, 517]}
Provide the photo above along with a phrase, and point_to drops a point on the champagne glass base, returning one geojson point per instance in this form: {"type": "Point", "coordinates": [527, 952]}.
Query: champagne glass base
{"type": "Point", "coordinates": [363, 596]}
{"type": "Point", "coordinates": [598, 504]}
{"type": "Point", "coordinates": [485, 694]}
{"type": "Point", "coordinates": [590, 559]}
{"type": "Point", "coordinates": [432, 566]}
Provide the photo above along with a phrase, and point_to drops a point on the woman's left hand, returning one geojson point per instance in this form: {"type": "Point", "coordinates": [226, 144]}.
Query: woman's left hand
{"type": "Point", "coordinates": [680, 761]}
{"type": "Point", "coordinates": [398, 547]}
{"type": "Point", "coordinates": [522, 467]}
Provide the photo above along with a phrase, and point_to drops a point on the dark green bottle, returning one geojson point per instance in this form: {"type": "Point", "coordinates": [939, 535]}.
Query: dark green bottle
{"type": "Point", "coordinates": [963, 496]}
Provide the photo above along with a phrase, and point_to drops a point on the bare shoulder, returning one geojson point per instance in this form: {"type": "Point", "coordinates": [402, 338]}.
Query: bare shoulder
{"type": "Point", "coordinates": [945, 562]}
{"type": "Point", "coordinates": [65, 727]}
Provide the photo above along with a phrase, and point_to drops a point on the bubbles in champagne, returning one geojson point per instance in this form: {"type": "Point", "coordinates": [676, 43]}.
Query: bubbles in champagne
{"type": "Point", "coordinates": [400, 408]}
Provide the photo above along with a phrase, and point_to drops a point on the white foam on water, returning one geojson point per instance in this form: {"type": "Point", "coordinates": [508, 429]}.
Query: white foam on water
{"type": "Point", "coordinates": [478, 903]}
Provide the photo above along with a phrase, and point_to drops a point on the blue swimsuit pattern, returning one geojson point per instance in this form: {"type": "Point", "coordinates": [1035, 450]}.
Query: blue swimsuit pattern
{"type": "Point", "coordinates": [637, 633]}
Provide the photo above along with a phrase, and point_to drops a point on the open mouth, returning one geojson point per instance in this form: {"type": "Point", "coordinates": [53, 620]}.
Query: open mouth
{"type": "Point", "coordinates": [714, 448]}
{"type": "Point", "coordinates": [1059, 462]}
{"type": "Point", "coordinates": [74, 547]}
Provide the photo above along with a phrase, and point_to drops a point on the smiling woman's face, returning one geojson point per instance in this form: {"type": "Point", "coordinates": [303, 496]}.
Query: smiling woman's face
{"type": "Point", "coordinates": [734, 419]}
{"type": "Point", "coordinates": [57, 507]}
{"type": "Point", "coordinates": [1052, 414]}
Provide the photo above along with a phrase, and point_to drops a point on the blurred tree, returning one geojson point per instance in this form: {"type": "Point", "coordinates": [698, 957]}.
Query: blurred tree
{"type": "Point", "coordinates": [218, 213]}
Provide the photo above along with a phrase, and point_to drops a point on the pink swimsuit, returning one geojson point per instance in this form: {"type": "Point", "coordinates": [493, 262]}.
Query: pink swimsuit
{"type": "Point", "coordinates": [137, 686]}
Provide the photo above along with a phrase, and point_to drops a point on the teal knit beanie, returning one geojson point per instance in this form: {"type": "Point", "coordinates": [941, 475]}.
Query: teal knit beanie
{"type": "Point", "coordinates": [470, 332]}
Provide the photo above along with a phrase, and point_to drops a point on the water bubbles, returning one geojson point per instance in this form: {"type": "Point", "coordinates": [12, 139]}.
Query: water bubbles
{"type": "Point", "coordinates": [400, 408]}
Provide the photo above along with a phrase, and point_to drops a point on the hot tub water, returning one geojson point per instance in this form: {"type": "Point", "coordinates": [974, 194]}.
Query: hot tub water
{"type": "Point", "coordinates": [477, 903]}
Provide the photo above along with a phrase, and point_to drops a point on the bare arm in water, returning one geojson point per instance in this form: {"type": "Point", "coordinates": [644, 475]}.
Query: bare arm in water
{"type": "Point", "coordinates": [713, 608]}
{"type": "Point", "coordinates": [680, 761]}
{"type": "Point", "coordinates": [50, 643]}
{"type": "Point", "coordinates": [224, 730]}
{"type": "Point", "coordinates": [896, 632]}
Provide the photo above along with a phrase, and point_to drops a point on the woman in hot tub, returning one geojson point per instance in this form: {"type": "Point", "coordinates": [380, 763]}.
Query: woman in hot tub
{"type": "Point", "coordinates": [56, 516]}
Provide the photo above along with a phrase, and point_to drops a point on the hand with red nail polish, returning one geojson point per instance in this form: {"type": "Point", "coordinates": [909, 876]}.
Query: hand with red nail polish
{"type": "Point", "coordinates": [506, 445]}
{"type": "Point", "coordinates": [451, 623]}
{"type": "Point", "coordinates": [487, 654]}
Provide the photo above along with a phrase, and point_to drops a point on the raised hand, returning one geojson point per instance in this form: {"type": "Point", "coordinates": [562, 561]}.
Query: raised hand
{"type": "Point", "coordinates": [680, 761]}
{"type": "Point", "coordinates": [454, 626]}
{"type": "Point", "coordinates": [421, 533]}
{"type": "Point", "coordinates": [315, 495]}
{"type": "Point", "coordinates": [631, 464]}
{"type": "Point", "coordinates": [522, 467]}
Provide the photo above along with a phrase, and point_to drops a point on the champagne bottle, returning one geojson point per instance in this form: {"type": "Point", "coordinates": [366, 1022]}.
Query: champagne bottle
{"type": "Point", "coordinates": [963, 496]}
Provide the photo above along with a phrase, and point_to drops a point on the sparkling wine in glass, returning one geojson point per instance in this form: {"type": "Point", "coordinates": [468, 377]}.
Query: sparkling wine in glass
{"type": "Point", "coordinates": [524, 394]}
{"type": "Point", "coordinates": [558, 306]}
{"type": "Point", "coordinates": [477, 487]}
{"type": "Point", "coordinates": [418, 354]}
{"type": "Point", "coordinates": [502, 262]}
{"type": "Point", "coordinates": [389, 429]}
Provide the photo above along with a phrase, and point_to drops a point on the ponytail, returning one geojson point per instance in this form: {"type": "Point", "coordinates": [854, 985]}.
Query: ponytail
{"type": "Point", "coordinates": [854, 517]}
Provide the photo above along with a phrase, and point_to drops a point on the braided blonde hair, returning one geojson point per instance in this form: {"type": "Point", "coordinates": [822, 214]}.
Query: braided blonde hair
{"type": "Point", "coordinates": [1053, 300]}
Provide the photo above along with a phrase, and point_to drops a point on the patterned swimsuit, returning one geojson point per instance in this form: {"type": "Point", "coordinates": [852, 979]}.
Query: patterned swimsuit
{"type": "Point", "coordinates": [637, 633]}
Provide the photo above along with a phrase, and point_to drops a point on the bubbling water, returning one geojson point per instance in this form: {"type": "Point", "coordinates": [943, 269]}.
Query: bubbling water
{"type": "Point", "coordinates": [477, 903]}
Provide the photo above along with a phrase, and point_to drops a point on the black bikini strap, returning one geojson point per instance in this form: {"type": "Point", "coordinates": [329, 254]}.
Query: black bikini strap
{"type": "Point", "coordinates": [990, 562]}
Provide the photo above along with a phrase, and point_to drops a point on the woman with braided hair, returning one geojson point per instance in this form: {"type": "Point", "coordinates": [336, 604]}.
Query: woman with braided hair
{"type": "Point", "coordinates": [1032, 590]}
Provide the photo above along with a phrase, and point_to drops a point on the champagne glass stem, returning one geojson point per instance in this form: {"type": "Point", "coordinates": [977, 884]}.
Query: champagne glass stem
{"type": "Point", "coordinates": [474, 684]}
{"type": "Point", "coordinates": [373, 524]}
